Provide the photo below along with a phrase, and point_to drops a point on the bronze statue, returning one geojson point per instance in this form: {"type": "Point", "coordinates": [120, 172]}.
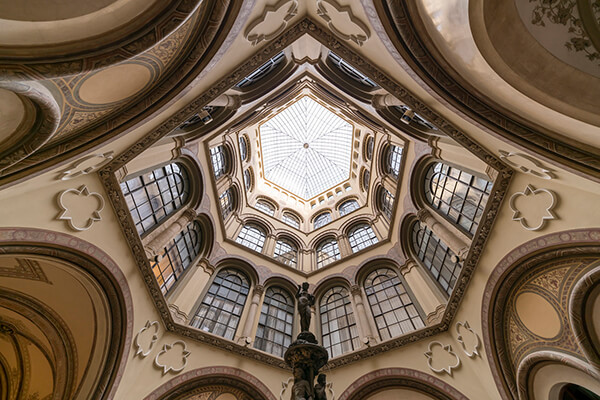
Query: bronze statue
{"type": "Point", "coordinates": [301, 389]}
{"type": "Point", "coordinates": [320, 387]}
{"type": "Point", "coordinates": [305, 301]}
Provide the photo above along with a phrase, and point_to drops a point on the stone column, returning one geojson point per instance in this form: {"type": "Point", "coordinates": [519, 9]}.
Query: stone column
{"type": "Point", "coordinates": [269, 246]}
{"type": "Point", "coordinates": [155, 246]}
{"type": "Point", "coordinates": [344, 246]}
{"type": "Point", "coordinates": [460, 248]}
{"type": "Point", "coordinates": [365, 326]}
{"type": "Point", "coordinates": [256, 296]}
{"type": "Point", "coordinates": [427, 294]}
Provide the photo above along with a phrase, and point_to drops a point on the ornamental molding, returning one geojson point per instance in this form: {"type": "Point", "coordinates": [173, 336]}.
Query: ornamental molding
{"type": "Point", "coordinates": [77, 168]}
{"type": "Point", "coordinates": [432, 353]}
{"type": "Point", "coordinates": [93, 217]}
{"type": "Point", "coordinates": [519, 161]}
{"type": "Point", "coordinates": [468, 339]}
{"type": "Point", "coordinates": [179, 348]}
{"type": "Point", "coordinates": [337, 16]}
{"type": "Point", "coordinates": [145, 339]}
{"type": "Point", "coordinates": [281, 12]}
{"type": "Point", "coordinates": [531, 192]}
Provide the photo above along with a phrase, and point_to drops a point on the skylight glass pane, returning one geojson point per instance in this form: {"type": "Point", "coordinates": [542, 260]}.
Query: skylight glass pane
{"type": "Point", "coordinates": [306, 148]}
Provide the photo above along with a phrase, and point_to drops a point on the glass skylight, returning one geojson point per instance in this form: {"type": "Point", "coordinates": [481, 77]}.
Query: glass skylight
{"type": "Point", "coordinates": [306, 148]}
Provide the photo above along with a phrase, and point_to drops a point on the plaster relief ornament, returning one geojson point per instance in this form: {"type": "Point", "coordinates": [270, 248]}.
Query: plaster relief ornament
{"type": "Point", "coordinates": [526, 164]}
{"type": "Point", "coordinates": [145, 339]}
{"type": "Point", "coordinates": [272, 22]}
{"type": "Point", "coordinates": [172, 357]}
{"type": "Point", "coordinates": [86, 165]}
{"type": "Point", "coordinates": [468, 339]}
{"type": "Point", "coordinates": [342, 22]}
{"type": "Point", "coordinates": [533, 207]}
{"type": "Point", "coordinates": [284, 386]}
{"type": "Point", "coordinates": [80, 207]}
{"type": "Point", "coordinates": [441, 358]}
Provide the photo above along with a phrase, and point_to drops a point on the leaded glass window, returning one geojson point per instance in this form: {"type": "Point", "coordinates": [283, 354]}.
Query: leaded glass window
{"type": "Point", "coordinates": [436, 256]}
{"type": "Point", "coordinates": [393, 160]}
{"type": "Point", "coordinates": [153, 196]}
{"type": "Point", "coordinates": [338, 326]}
{"type": "Point", "coordinates": [349, 70]}
{"type": "Point", "coordinates": [393, 308]}
{"type": "Point", "coordinates": [386, 202]}
{"type": "Point", "coordinates": [252, 237]}
{"type": "Point", "coordinates": [274, 333]}
{"type": "Point", "coordinates": [348, 206]}
{"type": "Point", "coordinates": [221, 309]}
{"type": "Point", "coordinates": [248, 179]}
{"type": "Point", "coordinates": [290, 219]}
{"type": "Point", "coordinates": [366, 179]}
{"type": "Point", "coordinates": [456, 194]}
{"type": "Point", "coordinates": [322, 220]}
{"type": "Point", "coordinates": [226, 200]}
{"type": "Point", "coordinates": [328, 251]}
{"type": "Point", "coordinates": [361, 237]}
{"type": "Point", "coordinates": [219, 161]}
{"type": "Point", "coordinates": [177, 256]}
{"type": "Point", "coordinates": [370, 144]}
{"type": "Point", "coordinates": [286, 252]}
{"type": "Point", "coordinates": [265, 207]}
{"type": "Point", "coordinates": [243, 148]}
{"type": "Point", "coordinates": [261, 71]}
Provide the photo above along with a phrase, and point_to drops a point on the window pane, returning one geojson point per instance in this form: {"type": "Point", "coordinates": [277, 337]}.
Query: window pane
{"type": "Point", "coordinates": [339, 333]}
{"type": "Point", "coordinates": [327, 252]}
{"type": "Point", "coordinates": [286, 252]}
{"type": "Point", "coordinates": [274, 332]}
{"type": "Point", "coordinates": [348, 206]}
{"type": "Point", "coordinates": [219, 161]}
{"type": "Point", "coordinates": [252, 237]}
{"type": "Point", "coordinates": [361, 237]}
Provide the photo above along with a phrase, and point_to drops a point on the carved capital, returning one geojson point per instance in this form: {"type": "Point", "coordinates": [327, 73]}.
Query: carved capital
{"type": "Point", "coordinates": [408, 266]}
{"type": "Point", "coordinates": [258, 290]}
{"type": "Point", "coordinates": [178, 316]}
{"type": "Point", "coordinates": [436, 316]}
{"type": "Point", "coordinates": [423, 215]}
{"type": "Point", "coordinates": [189, 214]}
{"type": "Point", "coordinates": [355, 290]}
{"type": "Point", "coordinates": [206, 266]}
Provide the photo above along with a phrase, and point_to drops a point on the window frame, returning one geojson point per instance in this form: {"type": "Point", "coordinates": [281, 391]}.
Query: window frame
{"type": "Point", "coordinates": [393, 160]}
{"type": "Point", "coordinates": [219, 161]}
{"type": "Point", "coordinates": [359, 245]}
{"type": "Point", "coordinates": [326, 334]}
{"type": "Point", "coordinates": [289, 261]}
{"type": "Point", "coordinates": [245, 242]}
{"type": "Point", "coordinates": [318, 216]}
{"type": "Point", "coordinates": [386, 207]}
{"type": "Point", "coordinates": [264, 321]}
{"type": "Point", "coordinates": [337, 255]}
{"type": "Point", "coordinates": [343, 207]}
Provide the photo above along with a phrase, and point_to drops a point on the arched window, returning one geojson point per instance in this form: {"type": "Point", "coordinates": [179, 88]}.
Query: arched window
{"type": "Point", "coordinates": [366, 179]}
{"type": "Point", "coordinates": [393, 158]}
{"type": "Point", "coordinates": [243, 147]}
{"type": "Point", "coordinates": [153, 196]}
{"type": "Point", "coordinates": [265, 207]}
{"type": "Point", "coordinates": [177, 256]}
{"type": "Point", "coordinates": [572, 391]}
{"type": "Point", "coordinates": [338, 326]}
{"type": "Point", "coordinates": [456, 194]}
{"type": "Point", "coordinates": [220, 310]}
{"type": "Point", "coordinates": [348, 206]}
{"type": "Point", "coordinates": [369, 148]}
{"type": "Point", "coordinates": [350, 71]}
{"type": "Point", "coordinates": [392, 307]}
{"type": "Point", "coordinates": [252, 237]}
{"type": "Point", "coordinates": [436, 256]}
{"type": "Point", "coordinates": [227, 202]}
{"type": "Point", "coordinates": [322, 220]}
{"type": "Point", "coordinates": [248, 179]}
{"type": "Point", "coordinates": [219, 161]}
{"type": "Point", "coordinates": [361, 237]}
{"type": "Point", "coordinates": [274, 333]}
{"type": "Point", "coordinates": [328, 251]}
{"type": "Point", "coordinates": [290, 219]}
{"type": "Point", "coordinates": [261, 71]}
{"type": "Point", "coordinates": [386, 202]}
{"type": "Point", "coordinates": [286, 252]}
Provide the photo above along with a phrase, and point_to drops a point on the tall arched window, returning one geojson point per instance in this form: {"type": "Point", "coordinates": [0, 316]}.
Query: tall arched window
{"type": "Point", "coordinates": [392, 307]}
{"type": "Point", "coordinates": [219, 161]}
{"type": "Point", "coordinates": [290, 219]}
{"type": "Point", "coordinates": [369, 148]}
{"type": "Point", "coordinates": [177, 256]}
{"type": "Point", "coordinates": [436, 256]}
{"type": "Point", "coordinates": [350, 70]}
{"type": "Point", "coordinates": [393, 158]}
{"type": "Point", "coordinates": [243, 147]}
{"type": "Point", "coordinates": [348, 206]}
{"type": "Point", "coordinates": [366, 179]}
{"type": "Point", "coordinates": [261, 71]}
{"type": "Point", "coordinates": [265, 207]}
{"type": "Point", "coordinates": [456, 194]}
{"type": "Point", "coordinates": [222, 306]}
{"type": "Point", "coordinates": [274, 333]}
{"type": "Point", "coordinates": [155, 195]}
{"type": "Point", "coordinates": [286, 252]}
{"type": "Point", "coordinates": [322, 220]}
{"type": "Point", "coordinates": [327, 252]}
{"type": "Point", "coordinates": [386, 202]}
{"type": "Point", "coordinates": [227, 202]}
{"type": "Point", "coordinates": [248, 179]}
{"type": "Point", "coordinates": [338, 326]}
{"type": "Point", "coordinates": [361, 237]}
{"type": "Point", "coordinates": [252, 237]}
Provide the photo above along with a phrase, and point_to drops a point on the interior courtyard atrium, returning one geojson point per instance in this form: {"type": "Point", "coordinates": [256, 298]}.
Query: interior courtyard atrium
{"type": "Point", "coordinates": [173, 171]}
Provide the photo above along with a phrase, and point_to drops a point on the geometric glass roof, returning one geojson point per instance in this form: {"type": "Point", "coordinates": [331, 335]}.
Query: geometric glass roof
{"type": "Point", "coordinates": [306, 148]}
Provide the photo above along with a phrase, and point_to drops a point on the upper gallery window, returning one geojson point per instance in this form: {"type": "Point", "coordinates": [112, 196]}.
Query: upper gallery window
{"type": "Point", "coordinates": [153, 196]}
{"type": "Point", "coordinates": [327, 252]}
{"type": "Point", "coordinates": [366, 178]}
{"type": "Point", "coordinates": [252, 237]}
{"type": "Point", "coordinates": [243, 147]}
{"type": "Point", "coordinates": [386, 202]}
{"type": "Point", "coordinates": [219, 161]}
{"type": "Point", "coordinates": [290, 219]}
{"type": "Point", "coordinates": [457, 194]}
{"type": "Point", "coordinates": [261, 71]}
{"type": "Point", "coordinates": [361, 237]}
{"type": "Point", "coordinates": [322, 220]}
{"type": "Point", "coordinates": [265, 207]}
{"type": "Point", "coordinates": [248, 179]}
{"type": "Point", "coordinates": [222, 306]}
{"type": "Point", "coordinates": [392, 160]}
{"type": "Point", "coordinates": [392, 307]}
{"type": "Point", "coordinates": [350, 70]}
{"type": "Point", "coordinates": [338, 326]}
{"type": "Point", "coordinates": [274, 333]}
{"type": "Point", "coordinates": [286, 252]}
{"type": "Point", "coordinates": [348, 206]}
{"type": "Point", "coordinates": [226, 200]}
{"type": "Point", "coordinates": [436, 256]}
{"type": "Point", "coordinates": [177, 256]}
{"type": "Point", "coordinates": [369, 148]}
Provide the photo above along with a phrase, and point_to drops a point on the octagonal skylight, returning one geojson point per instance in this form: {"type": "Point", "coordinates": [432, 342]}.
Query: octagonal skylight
{"type": "Point", "coordinates": [306, 148]}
